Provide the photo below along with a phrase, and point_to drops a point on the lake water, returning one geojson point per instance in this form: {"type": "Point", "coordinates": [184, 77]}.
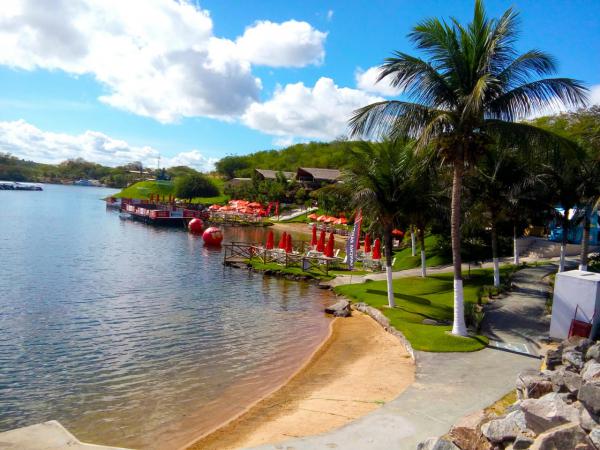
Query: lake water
{"type": "Point", "coordinates": [134, 335]}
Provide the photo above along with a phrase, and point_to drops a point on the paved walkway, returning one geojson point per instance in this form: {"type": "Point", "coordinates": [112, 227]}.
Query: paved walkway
{"type": "Point", "coordinates": [450, 385]}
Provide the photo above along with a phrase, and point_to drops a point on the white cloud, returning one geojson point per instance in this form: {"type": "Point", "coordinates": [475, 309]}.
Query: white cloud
{"type": "Point", "coordinates": [156, 58]}
{"type": "Point", "coordinates": [594, 97]}
{"type": "Point", "coordinates": [287, 44]}
{"type": "Point", "coordinates": [320, 112]}
{"type": "Point", "coordinates": [26, 141]}
{"type": "Point", "coordinates": [367, 81]}
{"type": "Point", "coordinates": [330, 15]}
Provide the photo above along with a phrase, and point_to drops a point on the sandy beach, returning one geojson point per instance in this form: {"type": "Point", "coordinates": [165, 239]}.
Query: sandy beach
{"type": "Point", "coordinates": [355, 371]}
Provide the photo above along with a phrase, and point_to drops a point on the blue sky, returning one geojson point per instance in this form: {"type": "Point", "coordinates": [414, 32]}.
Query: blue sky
{"type": "Point", "coordinates": [69, 87]}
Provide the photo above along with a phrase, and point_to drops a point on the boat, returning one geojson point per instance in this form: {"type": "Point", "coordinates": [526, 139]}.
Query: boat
{"type": "Point", "coordinates": [16, 186]}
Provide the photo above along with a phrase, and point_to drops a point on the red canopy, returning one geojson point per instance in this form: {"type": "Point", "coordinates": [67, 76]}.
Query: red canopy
{"type": "Point", "coordinates": [288, 244]}
{"type": "Point", "coordinates": [377, 249]}
{"type": "Point", "coordinates": [313, 240]}
{"type": "Point", "coordinates": [283, 241]}
{"type": "Point", "coordinates": [367, 243]}
{"type": "Point", "coordinates": [270, 240]}
{"type": "Point", "coordinates": [330, 245]}
{"type": "Point", "coordinates": [321, 244]}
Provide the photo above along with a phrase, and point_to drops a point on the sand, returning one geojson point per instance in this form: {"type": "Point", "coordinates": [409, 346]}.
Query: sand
{"type": "Point", "coordinates": [359, 368]}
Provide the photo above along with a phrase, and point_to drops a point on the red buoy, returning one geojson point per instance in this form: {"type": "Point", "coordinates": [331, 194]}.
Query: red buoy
{"type": "Point", "coordinates": [195, 226]}
{"type": "Point", "coordinates": [212, 236]}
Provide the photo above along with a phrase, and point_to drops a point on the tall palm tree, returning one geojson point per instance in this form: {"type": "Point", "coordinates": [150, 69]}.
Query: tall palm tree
{"type": "Point", "coordinates": [379, 182]}
{"type": "Point", "coordinates": [471, 90]}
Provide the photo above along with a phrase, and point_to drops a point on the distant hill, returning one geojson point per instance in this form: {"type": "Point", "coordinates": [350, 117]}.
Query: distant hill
{"type": "Point", "coordinates": [143, 189]}
{"type": "Point", "coordinates": [332, 155]}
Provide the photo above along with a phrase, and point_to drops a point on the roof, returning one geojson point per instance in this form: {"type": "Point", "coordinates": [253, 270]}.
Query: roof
{"type": "Point", "coordinates": [321, 174]}
{"type": "Point", "coordinates": [272, 174]}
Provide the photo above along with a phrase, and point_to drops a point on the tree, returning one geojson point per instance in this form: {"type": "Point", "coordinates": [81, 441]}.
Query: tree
{"type": "Point", "coordinates": [195, 185]}
{"type": "Point", "coordinates": [471, 91]}
{"type": "Point", "coordinates": [379, 182]}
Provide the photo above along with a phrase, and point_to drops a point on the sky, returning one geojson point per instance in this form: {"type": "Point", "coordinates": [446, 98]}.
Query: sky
{"type": "Point", "coordinates": [115, 81]}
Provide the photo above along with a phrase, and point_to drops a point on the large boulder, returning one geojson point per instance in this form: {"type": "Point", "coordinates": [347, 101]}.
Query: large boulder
{"type": "Point", "coordinates": [532, 384]}
{"type": "Point", "coordinates": [578, 343]}
{"type": "Point", "coordinates": [434, 443]}
{"type": "Point", "coordinates": [466, 433]}
{"type": "Point", "coordinates": [587, 420]}
{"type": "Point", "coordinates": [573, 359]}
{"type": "Point", "coordinates": [593, 353]}
{"type": "Point", "coordinates": [568, 436]}
{"type": "Point", "coordinates": [505, 429]}
{"type": "Point", "coordinates": [589, 395]}
{"type": "Point", "coordinates": [591, 371]}
{"type": "Point", "coordinates": [339, 309]}
{"type": "Point", "coordinates": [595, 436]}
{"type": "Point", "coordinates": [547, 412]}
{"type": "Point", "coordinates": [564, 380]}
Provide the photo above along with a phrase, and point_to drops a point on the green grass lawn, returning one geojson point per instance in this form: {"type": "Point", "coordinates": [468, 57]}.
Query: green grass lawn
{"type": "Point", "coordinates": [405, 260]}
{"type": "Point", "coordinates": [418, 299]}
{"type": "Point", "coordinates": [143, 189]}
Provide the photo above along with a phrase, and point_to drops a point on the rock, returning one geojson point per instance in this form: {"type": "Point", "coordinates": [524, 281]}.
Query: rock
{"type": "Point", "coordinates": [593, 353]}
{"type": "Point", "coordinates": [547, 412]}
{"type": "Point", "coordinates": [595, 436]}
{"type": "Point", "coordinates": [430, 322]}
{"type": "Point", "coordinates": [573, 359]}
{"type": "Point", "coordinates": [523, 441]}
{"type": "Point", "coordinates": [577, 343]}
{"type": "Point", "coordinates": [339, 309]}
{"type": "Point", "coordinates": [586, 420]}
{"type": "Point", "coordinates": [441, 443]}
{"type": "Point", "coordinates": [505, 429]}
{"type": "Point", "coordinates": [553, 358]}
{"type": "Point", "coordinates": [589, 395]}
{"type": "Point", "coordinates": [565, 380]}
{"type": "Point", "coordinates": [466, 433]}
{"type": "Point", "coordinates": [532, 384]}
{"type": "Point", "coordinates": [591, 371]}
{"type": "Point", "coordinates": [569, 436]}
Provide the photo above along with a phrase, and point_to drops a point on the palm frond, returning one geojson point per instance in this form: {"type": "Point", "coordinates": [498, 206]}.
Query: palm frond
{"type": "Point", "coordinates": [524, 68]}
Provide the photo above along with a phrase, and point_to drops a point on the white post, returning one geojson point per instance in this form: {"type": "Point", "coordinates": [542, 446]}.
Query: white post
{"type": "Point", "coordinates": [390, 287]}
{"type": "Point", "coordinates": [423, 264]}
{"type": "Point", "coordinates": [496, 273]}
{"type": "Point", "coordinates": [516, 251]}
{"type": "Point", "coordinates": [583, 267]}
{"type": "Point", "coordinates": [561, 265]}
{"type": "Point", "coordinates": [413, 243]}
{"type": "Point", "coordinates": [458, 327]}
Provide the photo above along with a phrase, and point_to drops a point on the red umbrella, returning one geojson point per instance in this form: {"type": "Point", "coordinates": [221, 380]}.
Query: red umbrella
{"type": "Point", "coordinates": [313, 241]}
{"type": "Point", "coordinates": [312, 216]}
{"type": "Point", "coordinates": [343, 221]}
{"type": "Point", "coordinates": [367, 243]}
{"type": "Point", "coordinates": [321, 244]}
{"type": "Point", "coordinates": [377, 249]}
{"type": "Point", "coordinates": [283, 241]}
{"type": "Point", "coordinates": [270, 240]}
{"type": "Point", "coordinates": [321, 218]}
{"type": "Point", "coordinates": [397, 232]}
{"type": "Point", "coordinates": [288, 244]}
{"type": "Point", "coordinates": [330, 245]}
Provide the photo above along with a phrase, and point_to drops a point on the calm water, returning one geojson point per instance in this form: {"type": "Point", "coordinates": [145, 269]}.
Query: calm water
{"type": "Point", "coordinates": [133, 335]}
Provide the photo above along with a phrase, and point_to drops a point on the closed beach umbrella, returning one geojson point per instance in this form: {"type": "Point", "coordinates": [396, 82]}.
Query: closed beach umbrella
{"type": "Point", "coordinates": [330, 245]}
{"type": "Point", "coordinates": [367, 243]}
{"type": "Point", "coordinates": [270, 240]}
{"type": "Point", "coordinates": [283, 241]}
{"type": "Point", "coordinates": [288, 244]}
{"type": "Point", "coordinates": [321, 244]}
{"type": "Point", "coordinates": [313, 240]}
{"type": "Point", "coordinates": [377, 249]}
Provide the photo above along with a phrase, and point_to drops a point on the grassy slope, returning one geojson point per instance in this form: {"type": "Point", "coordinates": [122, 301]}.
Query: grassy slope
{"type": "Point", "coordinates": [143, 189]}
{"type": "Point", "coordinates": [404, 259]}
{"type": "Point", "coordinates": [417, 299]}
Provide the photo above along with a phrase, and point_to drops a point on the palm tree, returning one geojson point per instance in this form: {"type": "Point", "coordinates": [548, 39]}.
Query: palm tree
{"type": "Point", "coordinates": [470, 91]}
{"type": "Point", "coordinates": [379, 182]}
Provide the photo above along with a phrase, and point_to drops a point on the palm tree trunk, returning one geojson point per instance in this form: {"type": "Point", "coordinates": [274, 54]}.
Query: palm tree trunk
{"type": "Point", "coordinates": [515, 246]}
{"type": "Point", "coordinates": [564, 241]}
{"type": "Point", "coordinates": [458, 326]}
{"type": "Point", "coordinates": [585, 242]}
{"type": "Point", "coordinates": [423, 258]}
{"type": "Point", "coordinates": [495, 254]}
{"type": "Point", "coordinates": [413, 241]}
{"type": "Point", "coordinates": [388, 266]}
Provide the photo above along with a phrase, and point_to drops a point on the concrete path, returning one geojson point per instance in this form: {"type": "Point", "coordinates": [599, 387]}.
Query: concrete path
{"type": "Point", "coordinates": [450, 385]}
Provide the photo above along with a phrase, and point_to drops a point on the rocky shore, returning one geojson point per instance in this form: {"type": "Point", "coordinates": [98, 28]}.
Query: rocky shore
{"type": "Point", "coordinates": [557, 407]}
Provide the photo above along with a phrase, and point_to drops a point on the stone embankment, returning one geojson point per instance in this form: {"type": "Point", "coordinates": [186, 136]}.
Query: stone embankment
{"type": "Point", "coordinates": [556, 408]}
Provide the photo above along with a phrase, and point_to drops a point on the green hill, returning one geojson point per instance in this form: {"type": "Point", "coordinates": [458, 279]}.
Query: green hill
{"type": "Point", "coordinates": [143, 189]}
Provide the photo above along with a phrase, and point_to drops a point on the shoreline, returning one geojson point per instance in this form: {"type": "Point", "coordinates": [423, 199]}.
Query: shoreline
{"type": "Point", "coordinates": [326, 392]}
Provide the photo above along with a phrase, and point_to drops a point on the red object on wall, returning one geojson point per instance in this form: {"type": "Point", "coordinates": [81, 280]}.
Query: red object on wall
{"type": "Point", "coordinates": [195, 226]}
{"type": "Point", "coordinates": [377, 249]}
{"type": "Point", "coordinates": [212, 236]}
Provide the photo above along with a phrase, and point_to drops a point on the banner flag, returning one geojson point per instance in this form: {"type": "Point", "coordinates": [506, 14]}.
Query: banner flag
{"type": "Point", "coordinates": [353, 240]}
